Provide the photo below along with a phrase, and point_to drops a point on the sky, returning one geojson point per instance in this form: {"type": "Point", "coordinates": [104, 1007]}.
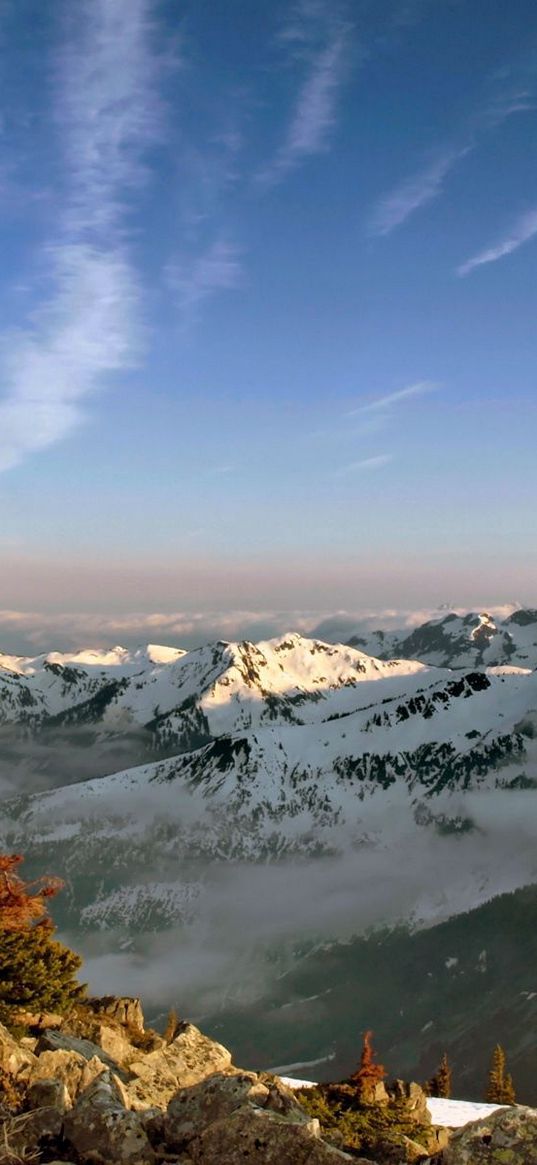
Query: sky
{"type": "Point", "coordinates": [268, 303]}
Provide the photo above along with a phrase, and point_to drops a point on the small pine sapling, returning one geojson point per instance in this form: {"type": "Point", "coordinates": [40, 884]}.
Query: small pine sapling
{"type": "Point", "coordinates": [369, 1074]}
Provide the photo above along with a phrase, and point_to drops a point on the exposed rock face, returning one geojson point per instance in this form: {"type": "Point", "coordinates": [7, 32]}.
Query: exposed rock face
{"type": "Point", "coordinates": [190, 1057]}
{"type": "Point", "coordinates": [195, 1108]}
{"type": "Point", "coordinates": [98, 1108]}
{"type": "Point", "coordinates": [14, 1059]}
{"type": "Point", "coordinates": [67, 1067]}
{"type": "Point", "coordinates": [65, 1097]}
{"type": "Point", "coordinates": [53, 1041]}
{"type": "Point", "coordinates": [45, 1093]}
{"type": "Point", "coordinates": [507, 1137]}
{"type": "Point", "coordinates": [413, 1098]}
{"type": "Point", "coordinates": [102, 1130]}
{"type": "Point", "coordinates": [254, 1135]}
{"type": "Point", "coordinates": [125, 1010]}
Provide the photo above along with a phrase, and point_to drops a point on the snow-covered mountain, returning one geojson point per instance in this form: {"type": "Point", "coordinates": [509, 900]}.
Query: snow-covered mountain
{"type": "Point", "coordinates": [292, 793]}
{"type": "Point", "coordinates": [66, 717]}
{"type": "Point", "coordinates": [306, 750]}
{"type": "Point", "coordinates": [460, 641]}
{"type": "Point", "coordinates": [223, 687]}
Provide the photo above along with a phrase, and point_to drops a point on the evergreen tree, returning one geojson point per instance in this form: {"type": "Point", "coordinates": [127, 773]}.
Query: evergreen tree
{"type": "Point", "coordinates": [23, 904]}
{"type": "Point", "coordinates": [509, 1094]}
{"type": "Point", "coordinates": [500, 1088]}
{"type": "Point", "coordinates": [37, 973]}
{"type": "Point", "coordinates": [440, 1083]}
{"type": "Point", "coordinates": [369, 1074]}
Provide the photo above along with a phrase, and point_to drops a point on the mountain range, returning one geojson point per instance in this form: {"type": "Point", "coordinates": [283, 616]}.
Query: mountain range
{"type": "Point", "coordinates": [271, 799]}
{"type": "Point", "coordinates": [453, 640]}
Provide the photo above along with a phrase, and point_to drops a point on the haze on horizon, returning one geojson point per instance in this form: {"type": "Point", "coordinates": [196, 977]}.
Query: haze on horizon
{"type": "Point", "coordinates": [268, 303]}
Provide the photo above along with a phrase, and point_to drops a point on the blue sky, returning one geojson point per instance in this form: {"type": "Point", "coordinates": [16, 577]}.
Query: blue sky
{"type": "Point", "coordinates": [268, 304]}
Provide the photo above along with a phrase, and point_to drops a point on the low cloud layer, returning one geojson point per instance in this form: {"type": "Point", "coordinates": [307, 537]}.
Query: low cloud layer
{"type": "Point", "coordinates": [246, 911]}
{"type": "Point", "coordinates": [33, 632]}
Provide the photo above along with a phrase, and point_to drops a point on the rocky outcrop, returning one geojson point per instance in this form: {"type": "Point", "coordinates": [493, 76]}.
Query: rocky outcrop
{"type": "Point", "coordinates": [69, 1068]}
{"type": "Point", "coordinates": [507, 1137]}
{"type": "Point", "coordinates": [255, 1135]}
{"type": "Point", "coordinates": [56, 1041]}
{"type": "Point", "coordinates": [126, 1011]}
{"type": "Point", "coordinates": [102, 1130]}
{"type": "Point", "coordinates": [66, 1098]}
{"type": "Point", "coordinates": [182, 1101]}
{"type": "Point", "coordinates": [193, 1109]}
{"type": "Point", "coordinates": [15, 1059]}
{"type": "Point", "coordinates": [413, 1098]}
{"type": "Point", "coordinates": [189, 1058]}
{"type": "Point", "coordinates": [49, 1093]}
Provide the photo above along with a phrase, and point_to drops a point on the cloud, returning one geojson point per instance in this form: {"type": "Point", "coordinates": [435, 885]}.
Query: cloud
{"type": "Point", "coordinates": [524, 229]}
{"type": "Point", "coordinates": [414, 192]}
{"type": "Point", "coordinates": [31, 632]}
{"type": "Point", "coordinates": [315, 110]}
{"type": "Point", "coordinates": [385, 402]}
{"type": "Point", "coordinates": [106, 113]}
{"type": "Point", "coordinates": [85, 331]}
{"type": "Point", "coordinates": [314, 113]}
{"type": "Point", "coordinates": [420, 876]}
{"type": "Point", "coordinates": [427, 183]}
{"type": "Point", "coordinates": [365, 464]}
{"type": "Point", "coordinates": [218, 268]}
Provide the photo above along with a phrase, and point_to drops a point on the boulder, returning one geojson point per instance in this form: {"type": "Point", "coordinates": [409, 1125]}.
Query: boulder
{"type": "Point", "coordinates": [39, 1019]}
{"type": "Point", "coordinates": [506, 1137]}
{"type": "Point", "coordinates": [189, 1058]}
{"type": "Point", "coordinates": [14, 1059]}
{"type": "Point", "coordinates": [114, 1043]}
{"type": "Point", "coordinates": [192, 1109]}
{"type": "Point", "coordinates": [68, 1067]}
{"type": "Point", "coordinates": [25, 1135]}
{"type": "Point", "coordinates": [413, 1098]}
{"type": "Point", "coordinates": [151, 1086]}
{"type": "Point", "coordinates": [54, 1041]}
{"type": "Point", "coordinates": [48, 1093]}
{"type": "Point", "coordinates": [101, 1130]}
{"type": "Point", "coordinates": [126, 1010]}
{"type": "Point", "coordinates": [256, 1135]}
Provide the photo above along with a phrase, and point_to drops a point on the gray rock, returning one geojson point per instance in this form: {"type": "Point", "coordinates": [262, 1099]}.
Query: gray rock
{"type": "Point", "coordinates": [414, 1100]}
{"type": "Point", "coordinates": [69, 1067]}
{"type": "Point", "coordinates": [190, 1057]}
{"type": "Point", "coordinates": [192, 1109]}
{"type": "Point", "coordinates": [507, 1137]}
{"type": "Point", "coordinates": [256, 1135]}
{"type": "Point", "coordinates": [48, 1093]}
{"type": "Point", "coordinates": [14, 1059]}
{"type": "Point", "coordinates": [24, 1135]}
{"type": "Point", "coordinates": [54, 1041]}
{"type": "Point", "coordinates": [101, 1130]}
{"type": "Point", "coordinates": [281, 1098]}
{"type": "Point", "coordinates": [124, 1009]}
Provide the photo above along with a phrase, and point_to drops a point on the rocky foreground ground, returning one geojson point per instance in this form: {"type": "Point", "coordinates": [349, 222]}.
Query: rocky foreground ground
{"type": "Point", "coordinates": [97, 1087]}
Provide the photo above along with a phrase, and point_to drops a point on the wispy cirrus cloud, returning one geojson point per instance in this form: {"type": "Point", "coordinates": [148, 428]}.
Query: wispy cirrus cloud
{"type": "Point", "coordinates": [427, 182]}
{"type": "Point", "coordinates": [414, 192]}
{"type": "Point", "coordinates": [317, 37]}
{"type": "Point", "coordinates": [194, 280]}
{"type": "Point", "coordinates": [365, 464]}
{"type": "Point", "coordinates": [106, 113]}
{"type": "Point", "coordinates": [383, 403]}
{"type": "Point", "coordinates": [522, 231]}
